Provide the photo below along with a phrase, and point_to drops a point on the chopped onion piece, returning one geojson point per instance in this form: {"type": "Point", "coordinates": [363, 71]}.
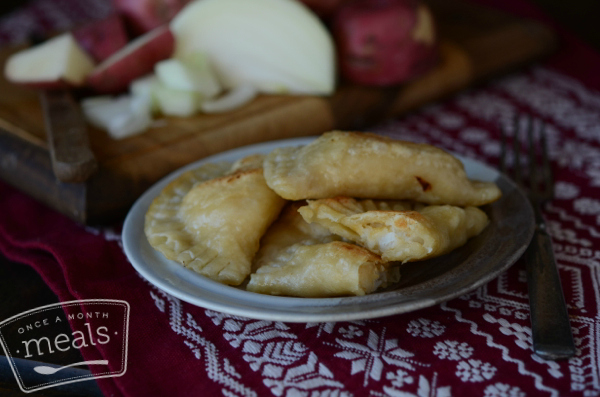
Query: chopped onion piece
{"type": "Point", "coordinates": [234, 99]}
{"type": "Point", "coordinates": [142, 91]}
{"type": "Point", "coordinates": [119, 116]}
{"type": "Point", "coordinates": [190, 73]}
{"type": "Point", "coordinates": [178, 103]}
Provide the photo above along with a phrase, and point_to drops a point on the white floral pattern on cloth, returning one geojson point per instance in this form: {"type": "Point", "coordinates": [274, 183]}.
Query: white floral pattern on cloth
{"type": "Point", "coordinates": [478, 344]}
{"type": "Point", "coordinates": [218, 369]}
{"type": "Point", "coordinates": [286, 365]}
{"type": "Point", "coordinates": [475, 371]}
{"type": "Point", "coordinates": [503, 390]}
{"type": "Point", "coordinates": [425, 328]}
{"type": "Point", "coordinates": [372, 356]}
{"type": "Point", "coordinates": [452, 350]}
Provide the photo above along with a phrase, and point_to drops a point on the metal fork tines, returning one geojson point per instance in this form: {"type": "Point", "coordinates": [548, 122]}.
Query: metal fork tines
{"type": "Point", "coordinates": [550, 327]}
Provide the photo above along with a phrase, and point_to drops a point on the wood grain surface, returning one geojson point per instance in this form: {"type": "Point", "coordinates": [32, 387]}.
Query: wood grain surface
{"type": "Point", "coordinates": [476, 43]}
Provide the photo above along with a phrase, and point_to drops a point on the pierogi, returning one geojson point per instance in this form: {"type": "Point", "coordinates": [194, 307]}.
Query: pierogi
{"type": "Point", "coordinates": [163, 227]}
{"type": "Point", "coordinates": [288, 230]}
{"type": "Point", "coordinates": [321, 270]}
{"type": "Point", "coordinates": [214, 227]}
{"type": "Point", "coordinates": [398, 231]}
{"type": "Point", "coordinates": [306, 260]}
{"type": "Point", "coordinates": [366, 165]}
{"type": "Point", "coordinates": [333, 218]}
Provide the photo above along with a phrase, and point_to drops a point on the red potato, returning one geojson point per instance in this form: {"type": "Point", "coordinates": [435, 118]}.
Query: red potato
{"type": "Point", "coordinates": [132, 61]}
{"type": "Point", "coordinates": [384, 42]}
{"type": "Point", "coordinates": [323, 8]}
{"type": "Point", "coordinates": [56, 63]}
{"type": "Point", "coordinates": [144, 15]}
{"type": "Point", "coordinates": [102, 38]}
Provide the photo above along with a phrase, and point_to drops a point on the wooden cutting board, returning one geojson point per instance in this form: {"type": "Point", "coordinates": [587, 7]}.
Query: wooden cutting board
{"type": "Point", "coordinates": [476, 43]}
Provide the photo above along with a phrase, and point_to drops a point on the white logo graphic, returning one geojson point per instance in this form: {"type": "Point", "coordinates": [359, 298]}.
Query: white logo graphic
{"type": "Point", "coordinates": [37, 338]}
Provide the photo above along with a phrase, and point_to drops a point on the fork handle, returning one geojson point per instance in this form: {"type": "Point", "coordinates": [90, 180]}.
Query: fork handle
{"type": "Point", "coordinates": [550, 327]}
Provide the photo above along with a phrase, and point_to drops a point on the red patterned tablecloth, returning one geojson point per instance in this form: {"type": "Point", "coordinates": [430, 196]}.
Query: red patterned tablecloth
{"type": "Point", "coordinates": [476, 345]}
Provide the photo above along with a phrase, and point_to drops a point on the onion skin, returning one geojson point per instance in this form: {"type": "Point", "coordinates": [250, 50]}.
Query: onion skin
{"type": "Point", "coordinates": [384, 42]}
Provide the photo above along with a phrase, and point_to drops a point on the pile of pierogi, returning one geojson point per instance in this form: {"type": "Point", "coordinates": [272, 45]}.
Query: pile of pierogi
{"type": "Point", "coordinates": [336, 217]}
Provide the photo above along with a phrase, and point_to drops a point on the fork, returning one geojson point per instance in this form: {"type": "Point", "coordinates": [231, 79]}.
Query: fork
{"type": "Point", "coordinates": [550, 327]}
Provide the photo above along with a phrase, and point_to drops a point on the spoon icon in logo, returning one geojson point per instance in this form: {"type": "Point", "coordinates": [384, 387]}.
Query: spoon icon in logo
{"type": "Point", "coordinates": [47, 370]}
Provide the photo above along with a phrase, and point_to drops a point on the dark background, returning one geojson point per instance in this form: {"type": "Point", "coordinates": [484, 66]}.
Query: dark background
{"type": "Point", "coordinates": [579, 15]}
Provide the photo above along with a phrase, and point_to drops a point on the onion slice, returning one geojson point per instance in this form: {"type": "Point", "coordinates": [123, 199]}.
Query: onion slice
{"type": "Point", "coordinates": [233, 99]}
{"type": "Point", "coordinates": [278, 46]}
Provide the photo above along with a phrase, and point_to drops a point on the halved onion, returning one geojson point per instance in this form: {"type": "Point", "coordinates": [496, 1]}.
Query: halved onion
{"type": "Point", "coordinates": [277, 46]}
